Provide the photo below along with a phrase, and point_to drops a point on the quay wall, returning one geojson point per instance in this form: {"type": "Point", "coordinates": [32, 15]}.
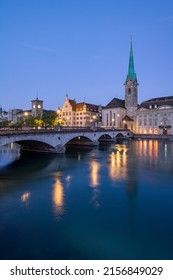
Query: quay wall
{"type": "Point", "coordinates": [152, 136]}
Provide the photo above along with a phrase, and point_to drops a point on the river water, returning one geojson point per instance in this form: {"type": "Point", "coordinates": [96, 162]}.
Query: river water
{"type": "Point", "coordinates": [111, 202]}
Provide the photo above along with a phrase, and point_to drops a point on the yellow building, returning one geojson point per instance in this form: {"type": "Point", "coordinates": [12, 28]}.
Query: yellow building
{"type": "Point", "coordinates": [80, 114]}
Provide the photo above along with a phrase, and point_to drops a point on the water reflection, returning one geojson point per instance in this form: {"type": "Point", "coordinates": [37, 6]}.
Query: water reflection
{"type": "Point", "coordinates": [58, 197]}
{"type": "Point", "coordinates": [77, 189]}
{"type": "Point", "coordinates": [94, 181]}
{"type": "Point", "coordinates": [9, 153]}
{"type": "Point", "coordinates": [155, 154]}
{"type": "Point", "coordinates": [94, 174]}
{"type": "Point", "coordinates": [25, 197]}
{"type": "Point", "coordinates": [118, 162]}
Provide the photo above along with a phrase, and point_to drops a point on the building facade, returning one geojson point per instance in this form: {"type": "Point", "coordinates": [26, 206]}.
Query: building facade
{"type": "Point", "coordinates": [15, 115]}
{"type": "Point", "coordinates": [121, 113]}
{"type": "Point", "coordinates": [80, 114]}
{"type": "Point", "coordinates": [3, 115]}
{"type": "Point", "coordinates": [154, 116]}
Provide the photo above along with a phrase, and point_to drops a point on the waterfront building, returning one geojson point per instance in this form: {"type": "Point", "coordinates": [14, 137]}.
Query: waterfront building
{"type": "Point", "coordinates": [37, 108]}
{"type": "Point", "coordinates": [154, 116]}
{"type": "Point", "coordinates": [80, 114]}
{"type": "Point", "coordinates": [15, 115]}
{"type": "Point", "coordinates": [3, 115]}
{"type": "Point", "coordinates": [121, 113]}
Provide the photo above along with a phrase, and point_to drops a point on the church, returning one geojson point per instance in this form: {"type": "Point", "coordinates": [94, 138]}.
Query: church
{"type": "Point", "coordinates": [154, 116]}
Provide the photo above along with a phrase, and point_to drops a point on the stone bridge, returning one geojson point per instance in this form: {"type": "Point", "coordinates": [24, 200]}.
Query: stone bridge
{"type": "Point", "coordinates": [56, 141]}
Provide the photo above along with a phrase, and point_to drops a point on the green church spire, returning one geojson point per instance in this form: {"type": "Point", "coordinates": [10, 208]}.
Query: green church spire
{"type": "Point", "coordinates": [131, 70]}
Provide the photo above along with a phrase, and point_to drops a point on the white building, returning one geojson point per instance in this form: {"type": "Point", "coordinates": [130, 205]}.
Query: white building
{"type": "Point", "coordinates": [154, 116]}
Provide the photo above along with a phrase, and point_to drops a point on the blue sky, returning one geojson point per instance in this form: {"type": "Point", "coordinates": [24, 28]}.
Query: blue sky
{"type": "Point", "coordinates": [50, 48]}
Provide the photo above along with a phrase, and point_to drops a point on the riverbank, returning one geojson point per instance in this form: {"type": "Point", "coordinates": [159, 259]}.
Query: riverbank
{"type": "Point", "coordinates": [153, 136]}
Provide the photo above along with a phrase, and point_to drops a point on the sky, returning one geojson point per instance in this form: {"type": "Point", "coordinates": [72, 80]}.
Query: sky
{"type": "Point", "coordinates": [51, 48]}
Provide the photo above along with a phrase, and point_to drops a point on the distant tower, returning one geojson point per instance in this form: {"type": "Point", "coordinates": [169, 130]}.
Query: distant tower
{"type": "Point", "coordinates": [131, 87]}
{"type": "Point", "coordinates": [37, 108]}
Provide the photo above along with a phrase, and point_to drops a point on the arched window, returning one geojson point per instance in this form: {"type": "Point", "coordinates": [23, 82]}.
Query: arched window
{"type": "Point", "coordinates": [129, 90]}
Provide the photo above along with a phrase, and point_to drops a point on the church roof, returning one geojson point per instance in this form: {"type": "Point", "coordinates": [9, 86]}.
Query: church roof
{"type": "Point", "coordinates": [131, 70]}
{"type": "Point", "coordinates": [127, 119]}
{"type": "Point", "coordinates": [115, 103]}
{"type": "Point", "coordinates": [156, 102]}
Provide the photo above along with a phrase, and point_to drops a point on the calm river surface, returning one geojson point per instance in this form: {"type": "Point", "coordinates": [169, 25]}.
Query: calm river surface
{"type": "Point", "coordinates": [112, 202]}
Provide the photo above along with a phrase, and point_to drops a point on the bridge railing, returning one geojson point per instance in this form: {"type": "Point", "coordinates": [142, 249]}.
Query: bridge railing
{"type": "Point", "coordinates": [63, 129]}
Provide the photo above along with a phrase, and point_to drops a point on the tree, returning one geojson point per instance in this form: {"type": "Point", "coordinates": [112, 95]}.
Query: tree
{"type": "Point", "coordinates": [49, 118]}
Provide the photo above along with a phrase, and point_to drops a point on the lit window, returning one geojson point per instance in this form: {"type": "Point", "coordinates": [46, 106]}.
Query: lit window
{"type": "Point", "coordinates": [39, 106]}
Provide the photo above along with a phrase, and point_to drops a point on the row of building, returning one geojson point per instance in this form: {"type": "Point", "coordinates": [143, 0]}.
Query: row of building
{"type": "Point", "coordinates": [154, 116]}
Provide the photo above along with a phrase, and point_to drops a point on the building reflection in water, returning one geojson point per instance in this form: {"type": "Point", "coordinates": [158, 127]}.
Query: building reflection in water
{"type": "Point", "coordinates": [118, 162]}
{"type": "Point", "coordinates": [148, 148]}
{"type": "Point", "coordinates": [94, 175]}
{"type": "Point", "coordinates": [58, 197]}
{"type": "Point", "coordinates": [68, 179]}
{"type": "Point", "coordinates": [25, 197]}
{"type": "Point", "coordinates": [94, 181]}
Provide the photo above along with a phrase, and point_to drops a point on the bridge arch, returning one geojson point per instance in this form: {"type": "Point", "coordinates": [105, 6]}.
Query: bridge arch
{"type": "Point", "coordinates": [79, 140]}
{"type": "Point", "coordinates": [120, 135]}
{"type": "Point", "coordinates": [105, 137]}
{"type": "Point", "coordinates": [35, 145]}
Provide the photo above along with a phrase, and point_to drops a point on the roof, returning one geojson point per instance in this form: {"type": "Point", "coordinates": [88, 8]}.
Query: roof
{"type": "Point", "coordinates": [90, 107]}
{"type": "Point", "coordinates": [115, 103]}
{"type": "Point", "coordinates": [131, 70]}
{"type": "Point", "coordinates": [157, 102]}
{"type": "Point", "coordinates": [72, 103]}
{"type": "Point", "coordinates": [127, 119]}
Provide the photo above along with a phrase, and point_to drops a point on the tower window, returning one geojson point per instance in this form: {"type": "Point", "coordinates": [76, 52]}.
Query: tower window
{"type": "Point", "coordinates": [129, 90]}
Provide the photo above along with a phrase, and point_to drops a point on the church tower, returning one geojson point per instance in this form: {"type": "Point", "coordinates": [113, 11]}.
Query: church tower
{"type": "Point", "coordinates": [131, 87]}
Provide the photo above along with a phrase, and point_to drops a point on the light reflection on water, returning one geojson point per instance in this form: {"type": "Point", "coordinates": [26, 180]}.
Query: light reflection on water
{"type": "Point", "coordinates": [109, 203]}
{"type": "Point", "coordinates": [58, 196]}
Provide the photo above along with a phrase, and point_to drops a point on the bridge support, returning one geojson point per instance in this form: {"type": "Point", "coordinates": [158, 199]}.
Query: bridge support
{"type": "Point", "coordinates": [60, 149]}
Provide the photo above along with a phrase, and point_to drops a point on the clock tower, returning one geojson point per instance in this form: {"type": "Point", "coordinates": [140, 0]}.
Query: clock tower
{"type": "Point", "coordinates": [37, 108]}
{"type": "Point", "coordinates": [131, 87]}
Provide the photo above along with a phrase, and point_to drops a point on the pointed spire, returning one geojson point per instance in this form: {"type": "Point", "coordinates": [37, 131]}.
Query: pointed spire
{"type": "Point", "coordinates": [131, 70]}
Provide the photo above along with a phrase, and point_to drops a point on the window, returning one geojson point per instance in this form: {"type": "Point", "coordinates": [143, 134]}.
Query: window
{"type": "Point", "coordinates": [107, 119]}
{"type": "Point", "coordinates": [129, 90]}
